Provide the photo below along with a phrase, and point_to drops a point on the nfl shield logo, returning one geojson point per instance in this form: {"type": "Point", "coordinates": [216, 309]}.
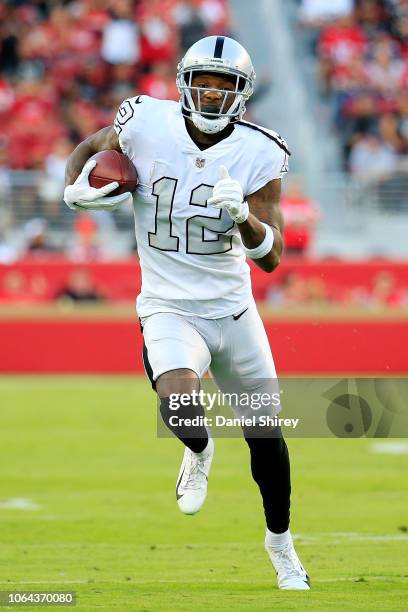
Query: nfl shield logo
{"type": "Point", "coordinates": [200, 163]}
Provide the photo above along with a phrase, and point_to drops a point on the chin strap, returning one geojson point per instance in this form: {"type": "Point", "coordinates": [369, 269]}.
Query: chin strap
{"type": "Point", "coordinates": [209, 126]}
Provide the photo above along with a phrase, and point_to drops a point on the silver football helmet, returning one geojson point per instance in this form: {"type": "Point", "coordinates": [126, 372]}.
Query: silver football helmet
{"type": "Point", "coordinates": [215, 54]}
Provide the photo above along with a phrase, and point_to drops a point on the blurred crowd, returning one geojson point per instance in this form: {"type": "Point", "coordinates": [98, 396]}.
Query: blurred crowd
{"type": "Point", "coordinates": [361, 47]}
{"type": "Point", "coordinates": [20, 289]}
{"type": "Point", "coordinates": [94, 236]}
{"type": "Point", "coordinates": [65, 66]}
{"type": "Point", "coordinates": [295, 288]}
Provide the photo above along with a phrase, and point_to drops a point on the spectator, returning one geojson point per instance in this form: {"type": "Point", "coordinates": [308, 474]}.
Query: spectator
{"type": "Point", "coordinates": [120, 43]}
{"type": "Point", "coordinates": [338, 44]}
{"type": "Point", "coordinates": [215, 15]}
{"type": "Point", "coordinates": [315, 13]}
{"type": "Point", "coordinates": [51, 186]}
{"type": "Point", "coordinates": [191, 23]}
{"type": "Point", "coordinates": [291, 291]}
{"type": "Point", "coordinates": [159, 39]}
{"type": "Point", "coordinates": [370, 16]}
{"type": "Point", "coordinates": [159, 83]}
{"type": "Point", "coordinates": [372, 160]}
{"type": "Point", "coordinates": [80, 288]}
{"type": "Point", "coordinates": [385, 293]}
{"type": "Point", "coordinates": [37, 241]}
{"type": "Point", "coordinates": [55, 161]}
{"type": "Point", "coordinates": [316, 291]}
{"type": "Point", "coordinates": [385, 72]}
{"type": "Point", "coordinates": [389, 132]}
{"type": "Point", "coordinates": [300, 217]}
{"type": "Point", "coordinates": [86, 241]}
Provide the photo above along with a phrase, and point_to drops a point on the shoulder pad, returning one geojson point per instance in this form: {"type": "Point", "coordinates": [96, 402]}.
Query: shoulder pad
{"type": "Point", "coordinates": [126, 111]}
{"type": "Point", "coordinates": [268, 133]}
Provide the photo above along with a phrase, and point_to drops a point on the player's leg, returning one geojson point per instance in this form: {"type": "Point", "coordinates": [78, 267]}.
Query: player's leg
{"type": "Point", "coordinates": [184, 383]}
{"type": "Point", "coordinates": [175, 357]}
{"type": "Point", "coordinates": [271, 471]}
{"type": "Point", "coordinates": [192, 481]}
{"type": "Point", "coordinates": [245, 363]}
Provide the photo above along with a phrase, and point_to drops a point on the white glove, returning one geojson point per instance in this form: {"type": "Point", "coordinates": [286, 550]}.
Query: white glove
{"type": "Point", "coordinates": [228, 194]}
{"type": "Point", "coordinates": [82, 195]}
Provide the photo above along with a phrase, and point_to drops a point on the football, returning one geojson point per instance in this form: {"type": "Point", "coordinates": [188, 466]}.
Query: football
{"type": "Point", "coordinates": [113, 166]}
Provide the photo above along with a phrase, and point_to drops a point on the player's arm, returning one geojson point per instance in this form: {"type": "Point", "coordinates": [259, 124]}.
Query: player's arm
{"type": "Point", "coordinates": [103, 140]}
{"type": "Point", "coordinates": [78, 192]}
{"type": "Point", "coordinates": [259, 218]}
{"type": "Point", "coordinates": [264, 208]}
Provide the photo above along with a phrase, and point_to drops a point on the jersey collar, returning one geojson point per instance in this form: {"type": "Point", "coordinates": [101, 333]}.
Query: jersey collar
{"type": "Point", "coordinates": [188, 146]}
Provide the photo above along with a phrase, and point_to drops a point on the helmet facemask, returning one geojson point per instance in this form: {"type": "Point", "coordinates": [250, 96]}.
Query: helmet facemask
{"type": "Point", "coordinates": [213, 120]}
{"type": "Point", "coordinates": [223, 57]}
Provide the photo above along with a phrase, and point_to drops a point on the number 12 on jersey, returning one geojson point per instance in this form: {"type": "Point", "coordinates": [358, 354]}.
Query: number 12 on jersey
{"type": "Point", "coordinates": [164, 238]}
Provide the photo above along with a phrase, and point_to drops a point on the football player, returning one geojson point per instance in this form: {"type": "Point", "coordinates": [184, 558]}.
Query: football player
{"type": "Point", "coordinates": [208, 198]}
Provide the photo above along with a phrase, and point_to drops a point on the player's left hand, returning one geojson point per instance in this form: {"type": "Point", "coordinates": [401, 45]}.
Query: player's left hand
{"type": "Point", "coordinates": [228, 194]}
{"type": "Point", "coordinates": [82, 195]}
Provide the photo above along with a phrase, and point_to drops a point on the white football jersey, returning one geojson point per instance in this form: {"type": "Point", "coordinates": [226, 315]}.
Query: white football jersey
{"type": "Point", "coordinates": [191, 254]}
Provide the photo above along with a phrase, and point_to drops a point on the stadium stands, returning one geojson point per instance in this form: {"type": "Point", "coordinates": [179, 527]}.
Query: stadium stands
{"type": "Point", "coordinates": [63, 73]}
{"type": "Point", "coordinates": [362, 52]}
{"type": "Point", "coordinates": [66, 66]}
{"type": "Point", "coordinates": [297, 283]}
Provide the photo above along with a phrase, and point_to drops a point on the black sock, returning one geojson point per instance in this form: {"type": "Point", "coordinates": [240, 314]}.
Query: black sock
{"type": "Point", "coordinates": [195, 437]}
{"type": "Point", "coordinates": [271, 471]}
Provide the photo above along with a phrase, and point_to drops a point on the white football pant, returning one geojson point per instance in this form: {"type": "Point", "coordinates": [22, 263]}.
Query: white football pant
{"type": "Point", "coordinates": [234, 348]}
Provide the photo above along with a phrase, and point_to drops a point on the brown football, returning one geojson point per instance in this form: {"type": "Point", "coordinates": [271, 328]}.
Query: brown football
{"type": "Point", "coordinates": [113, 166]}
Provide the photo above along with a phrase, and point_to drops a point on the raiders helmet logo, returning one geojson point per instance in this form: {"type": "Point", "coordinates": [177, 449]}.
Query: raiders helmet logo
{"type": "Point", "coordinates": [199, 162]}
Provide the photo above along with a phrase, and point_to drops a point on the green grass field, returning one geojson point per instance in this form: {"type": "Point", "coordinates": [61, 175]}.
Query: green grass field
{"type": "Point", "coordinates": [106, 524]}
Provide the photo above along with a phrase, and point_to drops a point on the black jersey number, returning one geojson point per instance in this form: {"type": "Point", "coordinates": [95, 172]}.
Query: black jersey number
{"type": "Point", "coordinates": [205, 235]}
{"type": "Point", "coordinates": [125, 112]}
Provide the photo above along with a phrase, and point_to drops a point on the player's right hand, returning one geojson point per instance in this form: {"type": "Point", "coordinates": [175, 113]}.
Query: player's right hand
{"type": "Point", "coordinates": [82, 195]}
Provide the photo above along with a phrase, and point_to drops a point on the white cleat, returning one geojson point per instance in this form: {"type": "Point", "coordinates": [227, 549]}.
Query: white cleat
{"type": "Point", "coordinates": [290, 572]}
{"type": "Point", "coordinates": [191, 488]}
